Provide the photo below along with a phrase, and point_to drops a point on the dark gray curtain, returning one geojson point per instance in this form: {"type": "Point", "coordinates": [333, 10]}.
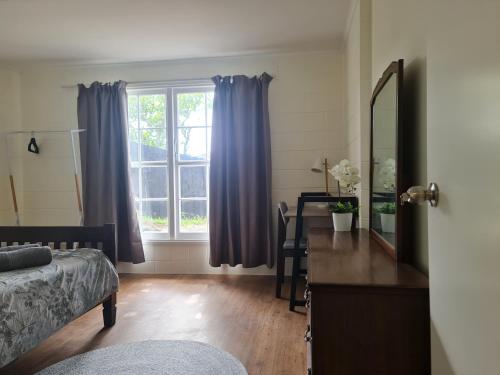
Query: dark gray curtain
{"type": "Point", "coordinates": [240, 173]}
{"type": "Point", "coordinates": [107, 191]}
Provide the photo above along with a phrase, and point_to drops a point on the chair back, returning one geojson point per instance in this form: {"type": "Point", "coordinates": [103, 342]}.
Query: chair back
{"type": "Point", "coordinates": [282, 210]}
{"type": "Point", "coordinates": [315, 194]}
{"type": "Point", "coordinates": [282, 222]}
{"type": "Point", "coordinates": [302, 200]}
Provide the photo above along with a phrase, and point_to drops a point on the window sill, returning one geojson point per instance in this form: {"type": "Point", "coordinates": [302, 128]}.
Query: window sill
{"type": "Point", "coordinates": [176, 241]}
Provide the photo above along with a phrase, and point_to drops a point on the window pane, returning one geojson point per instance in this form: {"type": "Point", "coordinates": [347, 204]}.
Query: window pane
{"type": "Point", "coordinates": [152, 110]}
{"type": "Point", "coordinates": [194, 216]}
{"type": "Point", "coordinates": [154, 216]}
{"type": "Point", "coordinates": [133, 141]}
{"type": "Point", "coordinates": [192, 143]}
{"type": "Point", "coordinates": [209, 142]}
{"type": "Point", "coordinates": [191, 109]}
{"type": "Point", "coordinates": [210, 105]}
{"type": "Point", "coordinates": [154, 144]}
{"type": "Point", "coordinates": [135, 181]}
{"type": "Point", "coordinates": [154, 182]}
{"type": "Point", "coordinates": [132, 111]}
{"type": "Point", "coordinates": [193, 182]}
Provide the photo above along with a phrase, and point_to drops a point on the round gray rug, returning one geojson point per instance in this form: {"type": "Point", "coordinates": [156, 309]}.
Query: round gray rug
{"type": "Point", "coordinates": [151, 357]}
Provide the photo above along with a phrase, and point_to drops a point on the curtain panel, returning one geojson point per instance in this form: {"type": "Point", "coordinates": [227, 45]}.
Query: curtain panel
{"type": "Point", "coordinates": [106, 182]}
{"type": "Point", "coordinates": [240, 173]}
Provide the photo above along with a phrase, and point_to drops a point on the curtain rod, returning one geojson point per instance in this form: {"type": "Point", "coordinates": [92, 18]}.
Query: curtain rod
{"type": "Point", "coordinates": [152, 84]}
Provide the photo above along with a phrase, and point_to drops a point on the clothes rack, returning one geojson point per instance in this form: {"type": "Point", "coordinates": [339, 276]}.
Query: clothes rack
{"type": "Point", "coordinates": [72, 133]}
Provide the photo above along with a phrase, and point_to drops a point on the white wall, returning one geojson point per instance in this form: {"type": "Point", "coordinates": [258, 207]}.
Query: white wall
{"type": "Point", "coordinates": [306, 112]}
{"type": "Point", "coordinates": [10, 119]}
{"type": "Point", "coordinates": [357, 67]}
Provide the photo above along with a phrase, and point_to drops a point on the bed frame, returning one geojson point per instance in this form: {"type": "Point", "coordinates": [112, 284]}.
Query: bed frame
{"type": "Point", "coordinates": [84, 236]}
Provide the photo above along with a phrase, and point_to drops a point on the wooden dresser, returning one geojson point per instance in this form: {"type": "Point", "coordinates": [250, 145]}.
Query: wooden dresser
{"type": "Point", "coordinates": [366, 313]}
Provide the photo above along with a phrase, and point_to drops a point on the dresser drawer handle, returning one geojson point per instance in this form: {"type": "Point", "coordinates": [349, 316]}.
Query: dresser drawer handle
{"type": "Point", "coordinates": [307, 297]}
{"type": "Point", "coordinates": [307, 336]}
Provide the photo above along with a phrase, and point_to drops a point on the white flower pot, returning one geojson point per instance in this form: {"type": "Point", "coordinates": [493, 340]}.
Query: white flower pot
{"type": "Point", "coordinates": [388, 222]}
{"type": "Point", "coordinates": [342, 222]}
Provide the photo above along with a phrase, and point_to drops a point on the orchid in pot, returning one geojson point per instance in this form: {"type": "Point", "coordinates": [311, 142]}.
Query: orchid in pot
{"type": "Point", "coordinates": [387, 174]}
{"type": "Point", "coordinates": [387, 217]}
{"type": "Point", "coordinates": [347, 177]}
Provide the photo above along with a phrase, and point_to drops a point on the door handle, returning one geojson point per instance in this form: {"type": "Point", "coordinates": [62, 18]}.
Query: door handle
{"type": "Point", "coordinates": [418, 195]}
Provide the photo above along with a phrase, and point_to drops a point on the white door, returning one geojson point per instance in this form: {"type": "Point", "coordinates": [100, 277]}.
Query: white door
{"type": "Point", "coordinates": [463, 133]}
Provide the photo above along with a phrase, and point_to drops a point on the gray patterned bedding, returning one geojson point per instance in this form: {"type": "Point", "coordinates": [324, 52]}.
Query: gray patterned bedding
{"type": "Point", "coordinates": [36, 302]}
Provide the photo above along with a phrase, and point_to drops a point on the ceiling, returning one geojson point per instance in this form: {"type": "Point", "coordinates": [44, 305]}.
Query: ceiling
{"type": "Point", "coordinates": [91, 31]}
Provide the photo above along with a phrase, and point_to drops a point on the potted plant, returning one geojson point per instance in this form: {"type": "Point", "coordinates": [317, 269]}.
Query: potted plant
{"type": "Point", "coordinates": [342, 215]}
{"type": "Point", "coordinates": [347, 177]}
{"type": "Point", "coordinates": [387, 217]}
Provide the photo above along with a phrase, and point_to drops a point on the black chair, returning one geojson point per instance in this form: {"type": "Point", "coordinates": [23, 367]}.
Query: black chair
{"type": "Point", "coordinates": [285, 248]}
{"type": "Point", "coordinates": [301, 202]}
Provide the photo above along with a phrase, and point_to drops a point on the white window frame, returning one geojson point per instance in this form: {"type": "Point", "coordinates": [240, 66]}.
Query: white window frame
{"type": "Point", "coordinates": [173, 164]}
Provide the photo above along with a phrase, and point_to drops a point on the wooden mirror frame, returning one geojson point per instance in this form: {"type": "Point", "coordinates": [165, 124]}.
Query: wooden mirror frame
{"type": "Point", "coordinates": [400, 252]}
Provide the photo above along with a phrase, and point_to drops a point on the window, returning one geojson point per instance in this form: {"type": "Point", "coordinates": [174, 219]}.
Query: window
{"type": "Point", "coordinates": [169, 138]}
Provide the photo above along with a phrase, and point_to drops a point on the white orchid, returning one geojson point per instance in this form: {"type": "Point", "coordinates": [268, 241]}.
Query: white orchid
{"type": "Point", "coordinates": [347, 175]}
{"type": "Point", "coordinates": [387, 174]}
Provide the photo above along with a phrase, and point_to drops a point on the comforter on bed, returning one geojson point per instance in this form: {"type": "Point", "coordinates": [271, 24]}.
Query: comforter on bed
{"type": "Point", "coordinates": [36, 302]}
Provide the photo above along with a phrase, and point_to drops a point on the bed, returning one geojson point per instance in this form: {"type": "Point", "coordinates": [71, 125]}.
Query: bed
{"type": "Point", "coordinates": [36, 302]}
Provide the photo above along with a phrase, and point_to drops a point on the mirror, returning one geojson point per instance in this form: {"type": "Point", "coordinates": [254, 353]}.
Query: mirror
{"type": "Point", "coordinates": [387, 160]}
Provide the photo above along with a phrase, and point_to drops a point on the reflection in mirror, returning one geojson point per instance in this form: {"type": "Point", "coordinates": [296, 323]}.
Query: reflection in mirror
{"type": "Point", "coordinates": [383, 197]}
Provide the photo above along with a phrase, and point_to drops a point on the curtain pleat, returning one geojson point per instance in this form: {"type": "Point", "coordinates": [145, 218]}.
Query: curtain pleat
{"type": "Point", "coordinates": [240, 173]}
{"type": "Point", "coordinates": [106, 182]}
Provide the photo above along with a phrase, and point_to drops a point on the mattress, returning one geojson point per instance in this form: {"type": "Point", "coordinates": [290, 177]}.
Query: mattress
{"type": "Point", "coordinates": [36, 302]}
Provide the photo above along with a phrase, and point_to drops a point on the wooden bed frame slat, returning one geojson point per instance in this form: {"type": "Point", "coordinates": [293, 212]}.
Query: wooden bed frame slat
{"type": "Point", "coordinates": [69, 235]}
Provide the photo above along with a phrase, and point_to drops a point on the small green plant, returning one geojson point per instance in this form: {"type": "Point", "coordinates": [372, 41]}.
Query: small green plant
{"type": "Point", "coordinates": [388, 208]}
{"type": "Point", "coordinates": [342, 208]}
{"type": "Point", "coordinates": [189, 220]}
{"type": "Point", "coordinates": [189, 223]}
{"type": "Point", "coordinates": [154, 220]}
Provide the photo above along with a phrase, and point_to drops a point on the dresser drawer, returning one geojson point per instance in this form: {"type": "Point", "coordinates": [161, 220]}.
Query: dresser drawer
{"type": "Point", "coordinates": [367, 313]}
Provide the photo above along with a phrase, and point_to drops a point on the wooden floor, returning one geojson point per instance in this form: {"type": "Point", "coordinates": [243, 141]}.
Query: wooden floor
{"type": "Point", "coordinates": [236, 313]}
